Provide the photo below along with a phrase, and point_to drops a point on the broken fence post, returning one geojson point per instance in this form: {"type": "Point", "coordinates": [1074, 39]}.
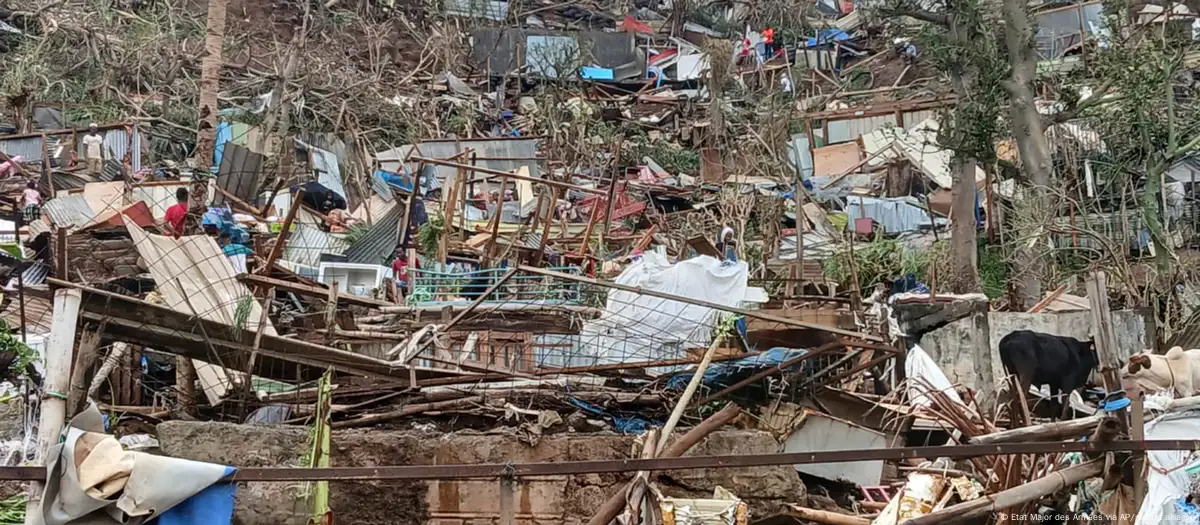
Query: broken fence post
{"type": "Point", "coordinates": [54, 392]}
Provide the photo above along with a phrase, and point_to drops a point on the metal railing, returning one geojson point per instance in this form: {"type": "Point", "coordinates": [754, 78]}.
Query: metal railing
{"type": "Point", "coordinates": [432, 287]}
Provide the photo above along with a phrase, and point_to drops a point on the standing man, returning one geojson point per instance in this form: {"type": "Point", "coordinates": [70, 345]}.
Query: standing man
{"type": "Point", "coordinates": [177, 214]}
{"type": "Point", "coordinates": [94, 150]}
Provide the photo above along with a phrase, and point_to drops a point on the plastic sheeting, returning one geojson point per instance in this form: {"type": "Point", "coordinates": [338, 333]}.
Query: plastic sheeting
{"type": "Point", "coordinates": [91, 480]}
{"type": "Point", "coordinates": [896, 214]}
{"type": "Point", "coordinates": [1168, 478]}
{"type": "Point", "coordinates": [722, 373]}
{"type": "Point", "coordinates": [636, 327]}
{"type": "Point", "coordinates": [923, 372]}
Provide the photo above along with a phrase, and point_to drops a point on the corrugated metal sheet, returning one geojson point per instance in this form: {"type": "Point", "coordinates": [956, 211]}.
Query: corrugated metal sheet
{"type": "Point", "coordinates": [68, 211]}
{"type": "Point", "coordinates": [35, 274]}
{"type": "Point", "coordinates": [489, 9]}
{"type": "Point", "coordinates": [307, 243]}
{"type": "Point", "coordinates": [380, 242]}
{"type": "Point", "coordinates": [848, 130]}
{"type": "Point", "coordinates": [523, 151]}
{"type": "Point", "coordinates": [38, 313]}
{"type": "Point", "coordinates": [912, 118]}
{"type": "Point", "coordinates": [29, 147]}
{"type": "Point", "coordinates": [238, 174]}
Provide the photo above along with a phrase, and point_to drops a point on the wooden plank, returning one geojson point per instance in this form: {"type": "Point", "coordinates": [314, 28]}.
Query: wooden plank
{"type": "Point", "coordinates": [1102, 330]}
{"type": "Point", "coordinates": [498, 173]}
{"type": "Point", "coordinates": [310, 291]}
{"type": "Point", "coordinates": [703, 246]}
{"type": "Point", "coordinates": [281, 240]}
{"type": "Point", "coordinates": [1041, 305]}
{"type": "Point", "coordinates": [831, 161]}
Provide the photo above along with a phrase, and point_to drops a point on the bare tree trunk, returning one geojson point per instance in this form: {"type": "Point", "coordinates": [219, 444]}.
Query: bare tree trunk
{"type": "Point", "coordinates": [210, 78]}
{"type": "Point", "coordinates": [964, 254]}
{"type": "Point", "coordinates": [1030, 134]}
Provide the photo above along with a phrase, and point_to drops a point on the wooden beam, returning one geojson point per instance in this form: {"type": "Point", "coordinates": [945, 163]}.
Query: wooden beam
{"type": "Point", "coordinates": [310, 291]}
{"type": "Point", "coordinates": [245, 206]}
{"type": "Point", "coordinates": [281, 240]}
{"type": "Point", "coordinates": [131, 319]}
{"type": "Point", "coordinates": [698, 302]}
{"type": "Point", "coordinates": [498, 173]}
{"type": "Point", "coordinates": [1102, 330]}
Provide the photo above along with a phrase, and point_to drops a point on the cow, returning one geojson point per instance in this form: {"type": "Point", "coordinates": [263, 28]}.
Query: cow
{"type": "Point", "coordinates": [1063, 363]}
{"type": "Point", "coordinates": [1177, 371]}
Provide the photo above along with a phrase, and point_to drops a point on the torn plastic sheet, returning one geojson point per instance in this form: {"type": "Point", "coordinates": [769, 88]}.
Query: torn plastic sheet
{"type": "Point", "coordinates": [723, 373]}
{"type": "Point", "coordinates": [623, 423]}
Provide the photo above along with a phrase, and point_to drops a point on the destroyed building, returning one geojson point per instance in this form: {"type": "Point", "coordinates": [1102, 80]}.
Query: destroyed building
{"type": "Point", "coordinates": [598, 262]}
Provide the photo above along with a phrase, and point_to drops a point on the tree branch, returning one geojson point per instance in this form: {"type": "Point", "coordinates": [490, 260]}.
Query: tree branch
{"type": "Point", "coordinates": [941, 19]}
{"type": "Point", "coordinates": [1097, 98]}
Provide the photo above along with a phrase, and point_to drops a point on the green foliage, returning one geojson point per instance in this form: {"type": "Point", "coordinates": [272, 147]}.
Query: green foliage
{"type": "Point", "coordinates": [879, 261]}
{"type": "Point", "coordinates": [12, 510]}
{"type": "Point", "coordinates": [430, 232]}
{"type": "Point", "coordinates": [241, 315]}
{"type": "Point", "coordinates": [993, 270]}
{"type": "Point", "coordinates": [9, 344]}
{"type": "Point", "coordinates": [356, 233]}
{"type": "Point", "coordinates": [671, 157]}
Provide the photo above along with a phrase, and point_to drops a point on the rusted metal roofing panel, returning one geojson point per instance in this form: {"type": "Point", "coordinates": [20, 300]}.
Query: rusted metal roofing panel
{"type": "Point", "coordinates": [68, 211]}
{"type": "Point", "coordinates": [238, 174]}
{"type": "Point", "coordinates": [380, 242]}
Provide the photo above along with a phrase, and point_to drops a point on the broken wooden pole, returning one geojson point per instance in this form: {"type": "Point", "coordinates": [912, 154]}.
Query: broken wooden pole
{"type": "Point", "coordinates": [494, 227]}
{"type": "Point", "coordinates": [637, 491]}
{"type": "Point", "coordinates": [85, 357]}
{"type": "Point", "coordinates": [59, 349]}
{"type": "Point", "coordinates": [281, 240]}
{"type": "Point", "coordinates": [1102, 330]}
{"type": "Point", "coordinates": [682, 403]}
{"type": "Point", "coordinates": [1018, 495]}
{"type": "Point", "coordinates": [823, 516]}
{"type": "Point", "coordinates": [408, 410]}
{"type": "Point", "coordinates": [613, 506]}
{"type": "Point", "coordinates": [1044, 432]}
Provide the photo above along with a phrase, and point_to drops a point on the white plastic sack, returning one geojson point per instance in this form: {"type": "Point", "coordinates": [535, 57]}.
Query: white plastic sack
{"type": "Point", "coordinates": [923, 373]}
{"type": "Point", "coordinates": [1161, 488]}
{"type": "Point", "coordinates": [636, 327]}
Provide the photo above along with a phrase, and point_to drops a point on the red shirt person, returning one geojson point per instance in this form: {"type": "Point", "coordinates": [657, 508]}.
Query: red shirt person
{"type": "Point", "coordinates": [177, 214]}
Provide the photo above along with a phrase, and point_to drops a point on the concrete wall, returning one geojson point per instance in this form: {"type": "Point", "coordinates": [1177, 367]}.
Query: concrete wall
{"type": "Point", "coordinates": [951, 345]}
{"type": "Point", "coordinates": [540, 500]}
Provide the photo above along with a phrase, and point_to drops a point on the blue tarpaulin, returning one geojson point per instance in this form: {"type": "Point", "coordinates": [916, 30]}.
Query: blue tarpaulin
{"type": "Point", "coordinates": [224, 134]}
{"type": "Point", "coordinates": [720, 373]}
{"type": "Point", "coordinates": [211, 506]}
{"type": "Point", "coordinates": [826, 36]}
{"type": "Point", "coordinates": [624, 424]}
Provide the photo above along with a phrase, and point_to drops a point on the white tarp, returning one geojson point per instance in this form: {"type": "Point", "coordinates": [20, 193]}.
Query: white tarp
{"type": "Point", "coordinates": [91, 480]}
{"type": "Point", "coordinates": [1163, 489]}
{"type": "Point", "coordinates": [922, 373]}
{"type": "Point", "coordinates": [636, 327]}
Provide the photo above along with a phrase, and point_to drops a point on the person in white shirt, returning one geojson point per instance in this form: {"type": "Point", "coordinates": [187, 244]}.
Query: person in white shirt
{"type": "Point", "coordinates": [94, 150]}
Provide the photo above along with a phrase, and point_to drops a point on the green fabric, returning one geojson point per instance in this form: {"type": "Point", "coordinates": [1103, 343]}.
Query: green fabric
{"type": "Point", "coordinates": [236, 249]}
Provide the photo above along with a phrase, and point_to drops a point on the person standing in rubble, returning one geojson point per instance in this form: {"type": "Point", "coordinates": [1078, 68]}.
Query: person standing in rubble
{"type": "Point", "coordinates": [177, 214]}
{"type": "Point", "coordinates": [93, 144]}
{"type": "Point", "coordinates": [33, 202]}
{"type": "Point", "coordinates": [768, 36]}
{"type": "Point", "coordinates": [727, 246]}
